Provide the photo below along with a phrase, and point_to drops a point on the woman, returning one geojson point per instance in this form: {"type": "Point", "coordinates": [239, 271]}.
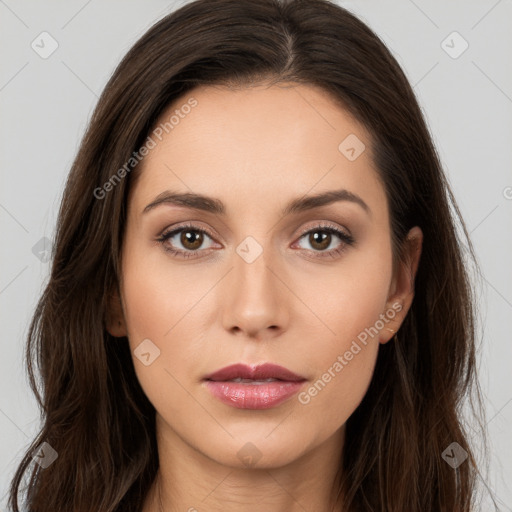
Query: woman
{"type": "Point", "coordinates": [258, 299]}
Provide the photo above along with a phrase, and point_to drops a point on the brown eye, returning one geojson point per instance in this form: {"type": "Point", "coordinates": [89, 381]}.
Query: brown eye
{"type": "Point", "coordinates": [191, 240]}
{"type": "Point", "coordinates": [186, 241]}
{"type": "Point", "coordinates": [320, 240]}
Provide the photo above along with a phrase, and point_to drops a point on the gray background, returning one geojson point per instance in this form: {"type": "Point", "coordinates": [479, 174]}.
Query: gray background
{"type": "Point", "coordinates": [46, 104]}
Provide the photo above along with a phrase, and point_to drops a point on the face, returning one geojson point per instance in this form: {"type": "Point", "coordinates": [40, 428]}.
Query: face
{"type": "Point", "coordinates": [267, 276]}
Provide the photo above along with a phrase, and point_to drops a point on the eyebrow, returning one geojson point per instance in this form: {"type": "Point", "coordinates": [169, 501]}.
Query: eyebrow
{"type": "Point", "coordinates": [216, 206]}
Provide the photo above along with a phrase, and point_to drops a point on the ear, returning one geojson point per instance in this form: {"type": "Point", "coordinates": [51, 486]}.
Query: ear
{"type": "Point", "coordinates": [401, 291]}
{"type": "Point", "coordinates": [114, 316]}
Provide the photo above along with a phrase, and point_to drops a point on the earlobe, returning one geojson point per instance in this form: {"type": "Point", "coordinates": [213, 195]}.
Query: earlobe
{"type": "Point", "coordinates": [388, 337]}
{"type": "Point", "coordinates": [114, 317]}
{"type": "Point", "coordinates": [393, 316]}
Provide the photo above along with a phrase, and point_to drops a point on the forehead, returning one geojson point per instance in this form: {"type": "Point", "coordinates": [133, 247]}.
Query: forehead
{"type": "Point", "coordinates": [257, 141]}
{"type": "Point", "coordinates": [273, 117]}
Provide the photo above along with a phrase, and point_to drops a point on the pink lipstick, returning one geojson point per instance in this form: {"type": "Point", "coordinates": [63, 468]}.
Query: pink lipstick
{"type": "Point", "coordinates": [253, 387]}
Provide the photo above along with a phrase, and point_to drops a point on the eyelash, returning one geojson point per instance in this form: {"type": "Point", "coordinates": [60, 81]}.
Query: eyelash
{"type": "Point", "coordinates": [347, 240]}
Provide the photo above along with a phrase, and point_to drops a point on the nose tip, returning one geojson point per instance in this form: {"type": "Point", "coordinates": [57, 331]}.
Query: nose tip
{"type": "Point", "coordinates": [254, 301]}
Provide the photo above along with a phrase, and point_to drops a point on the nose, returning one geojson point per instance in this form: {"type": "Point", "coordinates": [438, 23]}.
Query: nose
{"type": "Point", "coordinates": [256, 298]}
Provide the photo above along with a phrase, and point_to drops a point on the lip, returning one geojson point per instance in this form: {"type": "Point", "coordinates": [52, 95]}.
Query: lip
{"type": "Point", "coordinates": [247, 395]}
{"type": "Point", "coordinates": [260, 371]}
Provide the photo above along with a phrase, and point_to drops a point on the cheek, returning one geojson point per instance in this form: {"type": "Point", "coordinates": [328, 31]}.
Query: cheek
{"type": "Point", "coordinates": [165, 302]}
{"type": "Point", "coordinates": [157, 299]}
{"type": "Point", "coordinates": [339, 389]}
{"type": "Point", "coordinates": [342, 365]}
{"type": "Point", "coordinates": [352, 306]}
{"type": "Point", "coordinates": [157, 294]}
{"type": "Point", "coordinates": [352, 295]}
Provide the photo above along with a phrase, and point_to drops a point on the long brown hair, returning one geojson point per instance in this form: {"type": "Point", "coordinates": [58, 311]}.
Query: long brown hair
{"type": "Point", "coordinates": [96, 416]}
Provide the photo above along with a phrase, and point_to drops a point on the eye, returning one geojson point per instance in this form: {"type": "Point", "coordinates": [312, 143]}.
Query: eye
{"type": "Point", "coordinates": [321, 240]}
{"type": "Point", "coordinates": [190, 237]}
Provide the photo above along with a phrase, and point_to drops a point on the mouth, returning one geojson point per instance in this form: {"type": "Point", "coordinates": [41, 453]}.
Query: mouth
{"type": "Point", "coordinates": [251, 381]}
{"type": "Point", "coordinates": [260, 372]}
{"type": "Point", "coordinates": [253, 387]}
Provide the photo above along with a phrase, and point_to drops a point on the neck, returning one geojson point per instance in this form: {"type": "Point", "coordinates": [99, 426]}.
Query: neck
{"type": "Point", "coordinates": [188, 480]}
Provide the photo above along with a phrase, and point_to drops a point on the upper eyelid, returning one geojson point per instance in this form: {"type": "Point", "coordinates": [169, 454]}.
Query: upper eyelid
{"type": "Point", "coordinates": [190, 225]}
{"type": "Point", "coordinates": [173, 230]}
{"type": "Point", "coordinates": [325, 225]}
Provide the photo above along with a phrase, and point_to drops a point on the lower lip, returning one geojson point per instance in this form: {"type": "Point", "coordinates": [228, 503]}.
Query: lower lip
{"type": "Point", "coordinates": [253, 396]}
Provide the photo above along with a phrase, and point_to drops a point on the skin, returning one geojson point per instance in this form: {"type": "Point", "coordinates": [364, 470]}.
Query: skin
{"type": "Point", "coordinates": [256, 149]}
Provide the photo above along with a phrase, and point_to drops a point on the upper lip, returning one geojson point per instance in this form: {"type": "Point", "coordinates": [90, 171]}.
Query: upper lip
{"type": "Point", "coordinates": [254, 372]}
